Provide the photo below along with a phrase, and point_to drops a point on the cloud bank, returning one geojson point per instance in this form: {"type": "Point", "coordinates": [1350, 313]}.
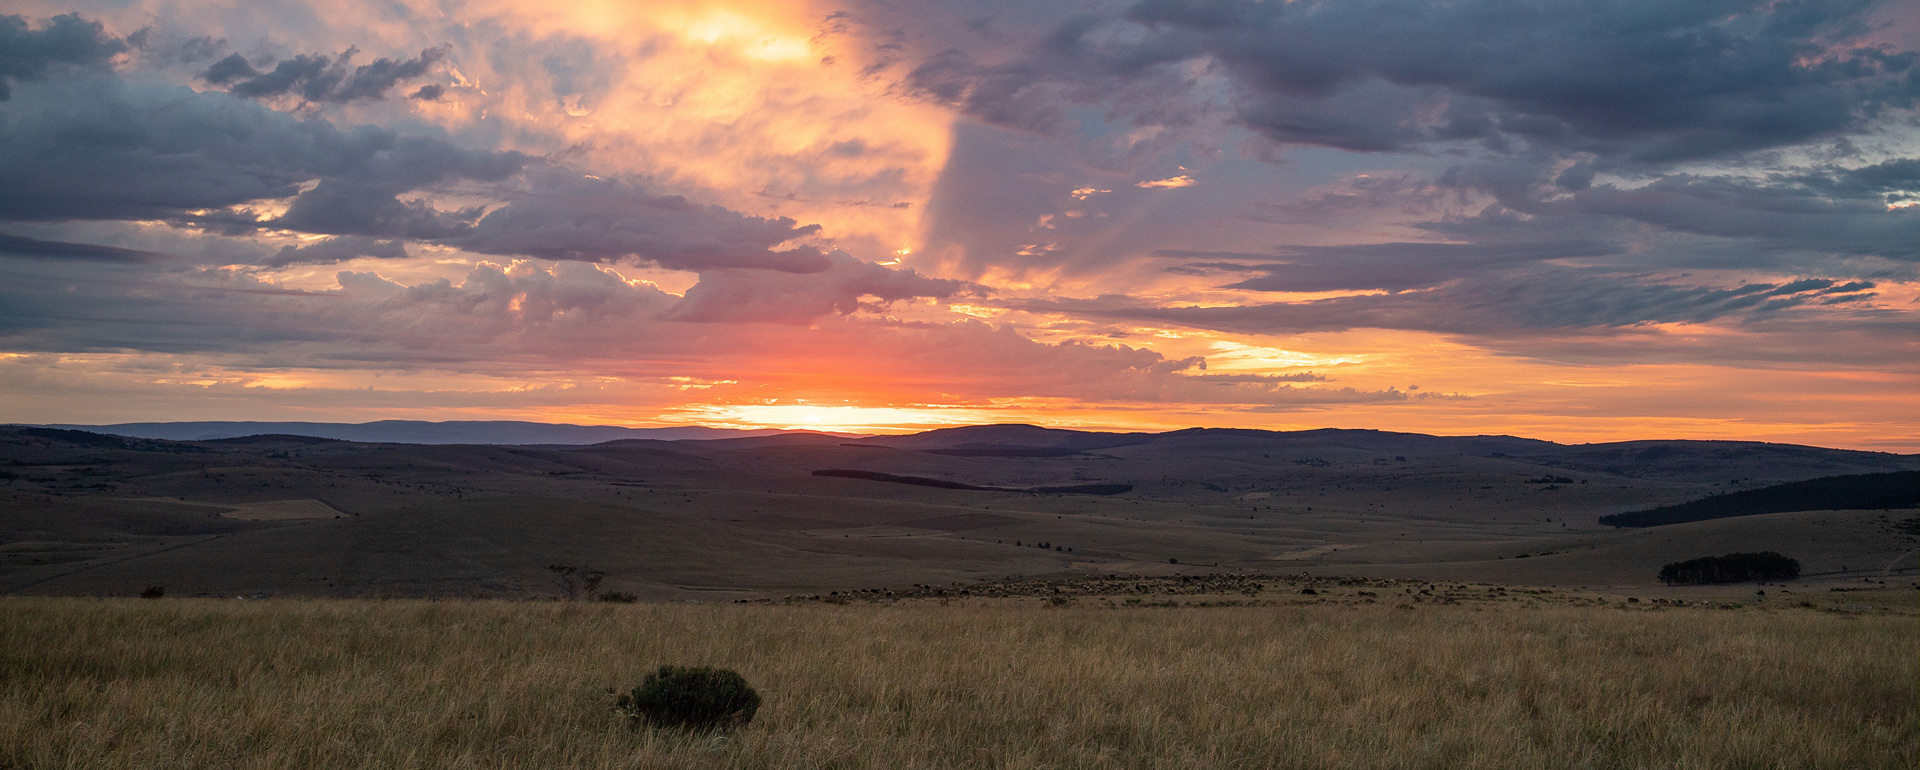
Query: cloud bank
{"type": "Point", "coordinates": [1224, 211]}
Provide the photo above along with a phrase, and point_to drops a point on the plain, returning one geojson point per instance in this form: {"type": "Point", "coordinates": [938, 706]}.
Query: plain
{"type": "Point", "coordinates": [1309, 682]}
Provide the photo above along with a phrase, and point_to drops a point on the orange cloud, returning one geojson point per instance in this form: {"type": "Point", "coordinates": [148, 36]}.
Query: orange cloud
{"type": "Point", "coordinates": [1170, 182]}
{"type": "Point", "coordinates": [760, 106]}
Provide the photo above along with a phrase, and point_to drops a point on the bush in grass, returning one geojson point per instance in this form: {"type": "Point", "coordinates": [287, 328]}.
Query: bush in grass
{"type": "Point", "coordinates": [700, 698]}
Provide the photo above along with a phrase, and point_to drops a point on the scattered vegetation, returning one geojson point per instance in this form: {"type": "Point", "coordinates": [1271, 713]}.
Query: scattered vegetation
{"type": "Point", "coordinates": [1084, 489]}
{"type": "Point", "coordinates": [1731, 568]}
{"type": "Point", "coordinates": [893, 479]}
{"type": "Point", "coordinates": [1859, 492]}
{"type": "Point", "coordinates": [575, 582]}
{"type": "Point", "coordinates": [1003, 450]}
{"type": "Point", "coordinates": [702, 698]}
{"type": "Point", "coordinates": [124, 684]}
{"type": "Point", "coordinates": [921, 481]}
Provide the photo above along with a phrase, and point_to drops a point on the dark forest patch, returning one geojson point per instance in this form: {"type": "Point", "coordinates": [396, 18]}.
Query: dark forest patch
{"type": "Point", "coordinates": [1865, 491]}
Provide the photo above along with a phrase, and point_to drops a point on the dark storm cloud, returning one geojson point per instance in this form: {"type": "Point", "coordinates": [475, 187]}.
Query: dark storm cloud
{"type": "Point", "coordinates": [106, 148]}
{"type": "Point", "coordinates": [848, 285]}
{"type": "Point", "coordinates": [319, 77]}
{"type": "Point", "coordinates": [234, 67]}
{"type": "Point", "coordinates": [1892, 182]}
{"type": "Point", "coordinates": [1492, 308]}
{"type": "Point", "coordinates": [1634, 81]}
{"type": "Point", "coordinates": [110, 147]}
{"type": "Point", "coordinates": [1828, 211]}
{"type": "Point", "coordinates": [341, 207]}
{"type": "Point", "coordinates": [338, 249]}
{"type": "Point", "coordinates": [26, 53]}
{"type": "Point", "coordinates": [34, 248]}
{"type": "Point", "coordinates": [1775, 216]}
{"type": "Point", "coordinates": [169, 48]}
{"type": "Point", "coordinates": [568, 216]}
{"type": "Point", "coordinates": [1391, 266]}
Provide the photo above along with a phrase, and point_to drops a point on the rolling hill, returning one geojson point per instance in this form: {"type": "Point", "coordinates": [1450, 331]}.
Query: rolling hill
{"type": "Point", "coordinates": [87, 513]}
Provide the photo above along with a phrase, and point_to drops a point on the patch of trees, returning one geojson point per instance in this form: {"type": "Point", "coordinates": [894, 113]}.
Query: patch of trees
{"type": "Point", "coordinates": [921, 481]}
{"type": "Point", "coordinates": [1084, 489]}
{"type": "Point", "coordinates": [1731, 568]}
{"type": "Point", "coordinates": [918, 481]}
{"type": "Point", "coordinates": [104, 441]}
{"type": "Point", "coordinates": [79, 437]}
{"type": "Point", "coordinates": [1003, 450]}
{"type": "Point", "coordinates": [273, 438]}
{"type": "Point", "coordinates": [1864, 491]}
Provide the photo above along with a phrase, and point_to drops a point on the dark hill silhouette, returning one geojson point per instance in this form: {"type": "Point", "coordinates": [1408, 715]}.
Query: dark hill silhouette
{"type": "Point", "coordinates": [496, 432]}
{"type": "Point", "coordinates": [271, 438]}
{"type": "Point", "coordinates": [1011, 435]}
{"type": "Point", "coordinates": [87, 513]}
{"type": "Point", "coordinates": [1864, 491]}
{"type": "Point", "coordinates": [791, 438]}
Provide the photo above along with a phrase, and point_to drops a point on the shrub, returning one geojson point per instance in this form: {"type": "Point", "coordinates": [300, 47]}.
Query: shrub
{"type": "Point", "coordinates": [153, 592]}
{"type": "Point", "coordinates": [577, 582]}
{"type": "Point", "coordinates": [617, 597]}
{"type": "Point", "coordinates": [700, 698]}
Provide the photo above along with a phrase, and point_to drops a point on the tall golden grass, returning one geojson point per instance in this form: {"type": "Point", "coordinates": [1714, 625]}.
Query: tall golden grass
{"type": "Point", "coordinates": [412, 684]}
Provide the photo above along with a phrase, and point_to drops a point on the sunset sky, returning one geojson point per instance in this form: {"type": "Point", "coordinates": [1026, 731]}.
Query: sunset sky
{"type": "Point", "coordinates": [1577, 221]}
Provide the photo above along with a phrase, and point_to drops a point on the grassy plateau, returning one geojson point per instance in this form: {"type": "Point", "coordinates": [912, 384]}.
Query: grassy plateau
{"type": "Point", "coordinates": [1002, 683]}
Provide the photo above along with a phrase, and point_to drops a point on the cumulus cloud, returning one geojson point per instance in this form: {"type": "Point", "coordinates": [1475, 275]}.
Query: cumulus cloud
{"type": "Point", "coordinates": [1773, 215]}
{"type": "Point", "coordinates": [846, 286]}
{"type": "Point", "coordinates": [110, 148]}
{"type": "Point", "coordinates": [319, 77]}
{"type": "Point", "coordinates": [1173, 181]}
{"type": "Point", "coordinates": [26, 53]}
{"type": "Point", "coordinates": [565, 215]}
{"type": "Point", "coordinates": [339, 249]}
{"type": "Point", "coordinates": [351, 206]}
{"type": "Point", "coordinates": [508, 320]}
{"type": "Point", "coordinates": [1634, 81]}
{"type": "Point", "coordinates": [1391, 266]}
{"type": "Point", "coordinates": [1534, 313]}
{"type": "Point", "coordinates": [172, 202]}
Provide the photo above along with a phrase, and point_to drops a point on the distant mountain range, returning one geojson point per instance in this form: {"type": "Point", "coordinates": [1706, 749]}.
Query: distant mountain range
{"type": "Point", "coordinates": [1681, 458]}
{"type": "Point", "coordinates": [499, 432]}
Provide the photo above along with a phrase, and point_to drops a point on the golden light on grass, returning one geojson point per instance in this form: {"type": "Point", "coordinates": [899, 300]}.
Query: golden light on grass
{"type": "Point", "coordinates": [370, 684]}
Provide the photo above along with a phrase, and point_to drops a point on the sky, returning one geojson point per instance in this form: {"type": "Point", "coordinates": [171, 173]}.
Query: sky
{"type": "Point", "coordinates": [1595, 221]}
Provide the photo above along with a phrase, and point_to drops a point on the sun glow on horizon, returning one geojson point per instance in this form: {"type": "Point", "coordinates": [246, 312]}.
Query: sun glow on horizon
{"type": "Point", "coordinates": [845, 418]}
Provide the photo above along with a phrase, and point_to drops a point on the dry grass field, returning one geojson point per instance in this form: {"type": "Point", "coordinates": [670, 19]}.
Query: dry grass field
{"type": "Point", "coordinates": [1003, 683]}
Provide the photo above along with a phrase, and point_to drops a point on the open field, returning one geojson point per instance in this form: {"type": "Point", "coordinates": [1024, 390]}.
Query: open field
{"type": "Point", "coordinates": [128, 683]}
